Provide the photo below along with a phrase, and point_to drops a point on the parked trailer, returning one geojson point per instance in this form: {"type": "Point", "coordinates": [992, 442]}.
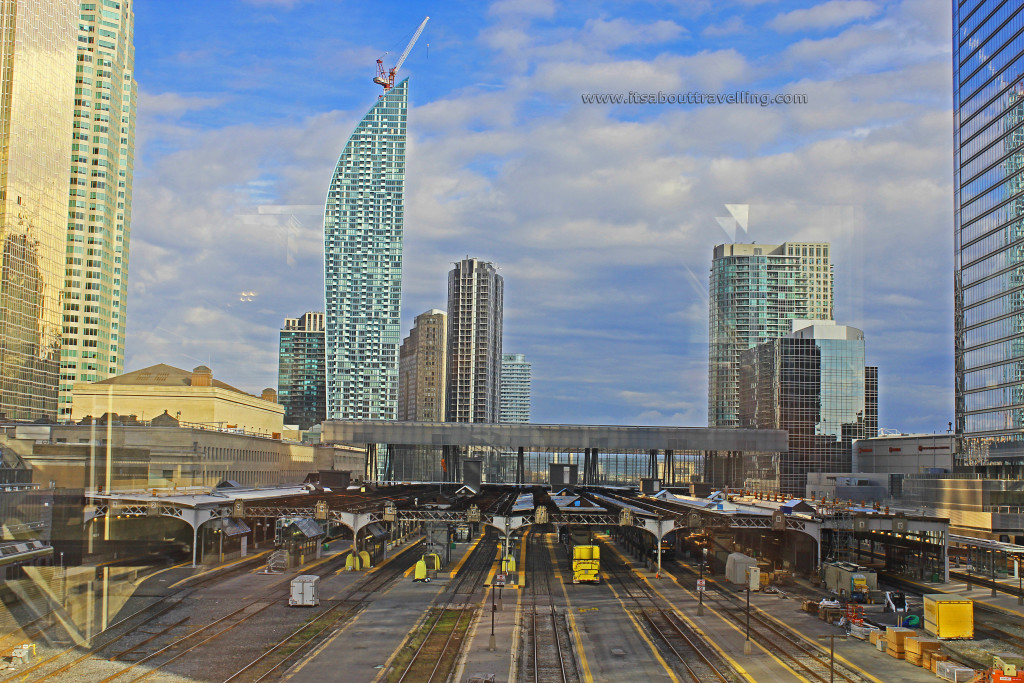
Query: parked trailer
{"type": "Point", "coordinates": [850, 580]}
{"type": "Point", "coordinates": [946, 616]}
{"type": "Point", "coordinates": [305, 591]}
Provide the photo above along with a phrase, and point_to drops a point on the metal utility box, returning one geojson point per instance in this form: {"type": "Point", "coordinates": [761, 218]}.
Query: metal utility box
{"type": "Point", "coordinates": [946, 616]}
{"type": "Point", "coordinates": [305, 591]}
{"type": "Point", "coordinates": [754, 579]}
{"type": "Point", "coordinates": [563, 475]}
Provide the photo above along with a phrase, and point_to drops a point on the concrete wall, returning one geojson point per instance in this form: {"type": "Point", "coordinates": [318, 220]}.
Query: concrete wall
{"type": "Point", "coordinates": [213, 405]}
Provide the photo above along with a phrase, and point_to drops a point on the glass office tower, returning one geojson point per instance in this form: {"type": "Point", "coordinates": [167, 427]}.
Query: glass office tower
{"type": "Point", "coordinates": [988, 139]}
{"type": "Point", "coordinates": [300, 370]}
{"type": "Point", "coordinates": [363, 264]}
{"type": "Point", "coordinates": [813, 383]}
{"type": "Point", "coordinates": [756, 291]}
{"type": "Point", "coordinates": [37, 95]}
{"type": "Point", "coordinates": [100, 202]}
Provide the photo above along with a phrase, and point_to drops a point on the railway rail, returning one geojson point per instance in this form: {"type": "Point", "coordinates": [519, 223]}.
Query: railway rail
{"type": "Point", "coordinates": [805, 657]}
{"type": "Point", "coordinates": [547, 649]}
{"type": "Point", "coordinates": [165, 641]}
{"type": "Point", "coordinates": [441, 638]}
{"type": "Point", "coordinates": [696, 659]}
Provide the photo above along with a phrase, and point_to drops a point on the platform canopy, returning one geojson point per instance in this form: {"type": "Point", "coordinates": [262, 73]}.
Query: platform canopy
{"type": "Point", "coordinates": [609, 439]}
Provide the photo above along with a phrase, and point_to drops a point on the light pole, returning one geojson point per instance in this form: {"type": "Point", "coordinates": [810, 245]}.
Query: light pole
{"type": "Point", "coordinates": [746, 643]}
{"type": "Point", "coordinates": [494, 608]}
{"type": "Point", "coordinates": [1016, 570]}
{"type": "Point", "coordinates": [700, 586]}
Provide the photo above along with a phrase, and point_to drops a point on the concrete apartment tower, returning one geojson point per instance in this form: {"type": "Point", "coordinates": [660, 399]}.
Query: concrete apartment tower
{"type": "Point", "coordinates": [988, 271]}
{"type": "Point", "coordinates": [422, 370]}
{"type": "Point", "coordinates": [475, 310]}
{"type": "Point", "coordinates": [38, 43]}
{"type": "Point", "coordinates": [515, 388]}
{"type": "Point", "coordinates": [756, 291]}
{"type": "Point", "coordinates": [300, 370]}
{"type": "Point", "coordinates": [363, 224]}
{"type": "Point", "coordinates": [100, 198]}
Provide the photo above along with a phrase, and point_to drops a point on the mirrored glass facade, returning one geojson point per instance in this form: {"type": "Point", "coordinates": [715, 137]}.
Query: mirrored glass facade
{"type": "Point", "coordinates": [363, 222]}
{"type": "Point", "coordinates": [988, 131]}
{"type": "Point", "coordinates": [301, 386]}
{"type": "Point", "coordinates": [814, 384]}
{"type": "Point", "coordinates": [37, 92]}
{"type": "Point", "coordinates": [756, 291]}
{"type": "Point", "coordinates": [100, 198]}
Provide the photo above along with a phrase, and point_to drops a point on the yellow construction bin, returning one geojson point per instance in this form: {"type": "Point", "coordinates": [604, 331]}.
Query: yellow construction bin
{"type": "Point", "coordinates": [946, 616]}
{"type": "Point", "coordinates": [364, 559]}
{"type": "Point", "coordinates": [420, 571]}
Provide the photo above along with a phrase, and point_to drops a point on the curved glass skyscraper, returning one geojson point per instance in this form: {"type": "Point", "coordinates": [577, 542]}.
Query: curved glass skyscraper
{"type": "Point", "coordinates": [988, 147]}
{"type": "Point", "coordinates": [363, 264]}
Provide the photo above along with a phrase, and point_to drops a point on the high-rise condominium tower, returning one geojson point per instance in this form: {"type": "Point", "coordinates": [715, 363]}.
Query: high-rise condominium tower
{"type": "Point", "coordinates": [422, 374]}
{"type": "Point", "coordinates": [363, 264]}
{"type": "Point", "coordinates": [988, 275]}
{"type": "Point", "coordinates": [515, 388]}
{"type": "Point", "coordinates": [475, 301]}
{"type": "Point", "coordinates": [300, 371]}
{"type": "Point", "coordinates": [37, 96]}
{"type": "Point", "coordinates": [100, 202]}
{"type": "Point", "coordinates": [756, 290]}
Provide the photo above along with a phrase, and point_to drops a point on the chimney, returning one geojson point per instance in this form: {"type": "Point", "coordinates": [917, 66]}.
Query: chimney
{"type": "Point", "coordinates": [202, 376]}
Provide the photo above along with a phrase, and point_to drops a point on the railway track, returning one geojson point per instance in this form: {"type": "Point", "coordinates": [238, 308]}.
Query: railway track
{"type": "Point", "coordinates": [803, 656]}
{"type": "Point", "coordinates": [157, 624]}
{"type": "Point", "coordinates": [547, 654]}
{"type": "Point", "coordinates": [686, 649]}
{"type": "Point", "coordinates": [439, 642]}
{"type": "Point", "coordinates": [297, 644]}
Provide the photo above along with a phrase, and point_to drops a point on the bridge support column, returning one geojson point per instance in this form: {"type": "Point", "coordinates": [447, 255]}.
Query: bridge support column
{"type": "Point", "coordinates": [195, 542]}
{"type": "Point", "coordinates": [520, 467]}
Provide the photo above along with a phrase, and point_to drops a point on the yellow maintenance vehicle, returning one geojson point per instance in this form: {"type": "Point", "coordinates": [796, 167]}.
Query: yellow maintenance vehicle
{"type": "Point", "coordinates": [586, 564]}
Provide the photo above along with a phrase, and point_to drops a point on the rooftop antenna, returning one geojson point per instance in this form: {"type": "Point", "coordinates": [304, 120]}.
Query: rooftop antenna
{"type": "Point", "coordinates": [386, 78]}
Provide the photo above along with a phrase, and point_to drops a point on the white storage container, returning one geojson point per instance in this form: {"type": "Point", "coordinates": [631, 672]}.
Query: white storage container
{"type": "Point", "coordinates": [305, 591]}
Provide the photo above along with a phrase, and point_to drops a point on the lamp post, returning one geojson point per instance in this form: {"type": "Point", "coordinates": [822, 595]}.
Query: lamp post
{"type": "Point", "coordinates": [1016, 570]}
{"type": "Point", "coordinates": [700, 586]}
{"type": "Point", "coordinates": [494, 608]}
{"type": "Point", "coordinates": [993, 553]}
{"type": "Point", "coordinates": [746, 643]}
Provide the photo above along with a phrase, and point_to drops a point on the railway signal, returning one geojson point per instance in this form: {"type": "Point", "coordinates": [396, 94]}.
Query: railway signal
{"type": "Point", "coordinates": [832, 654]}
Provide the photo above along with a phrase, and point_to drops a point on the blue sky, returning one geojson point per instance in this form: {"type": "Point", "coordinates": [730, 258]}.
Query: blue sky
{"type": "Point", "coordinates": [601, 217]}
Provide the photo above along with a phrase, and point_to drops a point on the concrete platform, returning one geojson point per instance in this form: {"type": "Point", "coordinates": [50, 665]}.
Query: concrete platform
{"type": "Point", "coordinates": [363, 647]}
{"type": "Point", "coordinates": [1002, 602]}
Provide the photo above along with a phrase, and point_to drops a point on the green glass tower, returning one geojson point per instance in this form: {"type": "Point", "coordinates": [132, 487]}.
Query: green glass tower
{"type": "Point", "coordinates": [756, 291]}
{"type": "Point", "coordinates": [100, 198]}
{"type": "Point", "coordinates": [363, 222]}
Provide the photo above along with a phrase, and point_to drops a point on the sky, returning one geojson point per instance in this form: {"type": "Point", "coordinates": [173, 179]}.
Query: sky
{"type": "Point", "coordinates": [601, 217]}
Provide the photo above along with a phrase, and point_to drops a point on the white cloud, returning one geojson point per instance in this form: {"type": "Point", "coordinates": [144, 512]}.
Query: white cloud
{"type": "Point", "coordinates": [824, 16]}
{"type": "Point", "coordinates": [601, 218]}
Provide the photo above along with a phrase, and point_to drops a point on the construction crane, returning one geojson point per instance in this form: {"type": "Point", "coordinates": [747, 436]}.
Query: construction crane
{"type": "Point", "coordinates": [386, 79]}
